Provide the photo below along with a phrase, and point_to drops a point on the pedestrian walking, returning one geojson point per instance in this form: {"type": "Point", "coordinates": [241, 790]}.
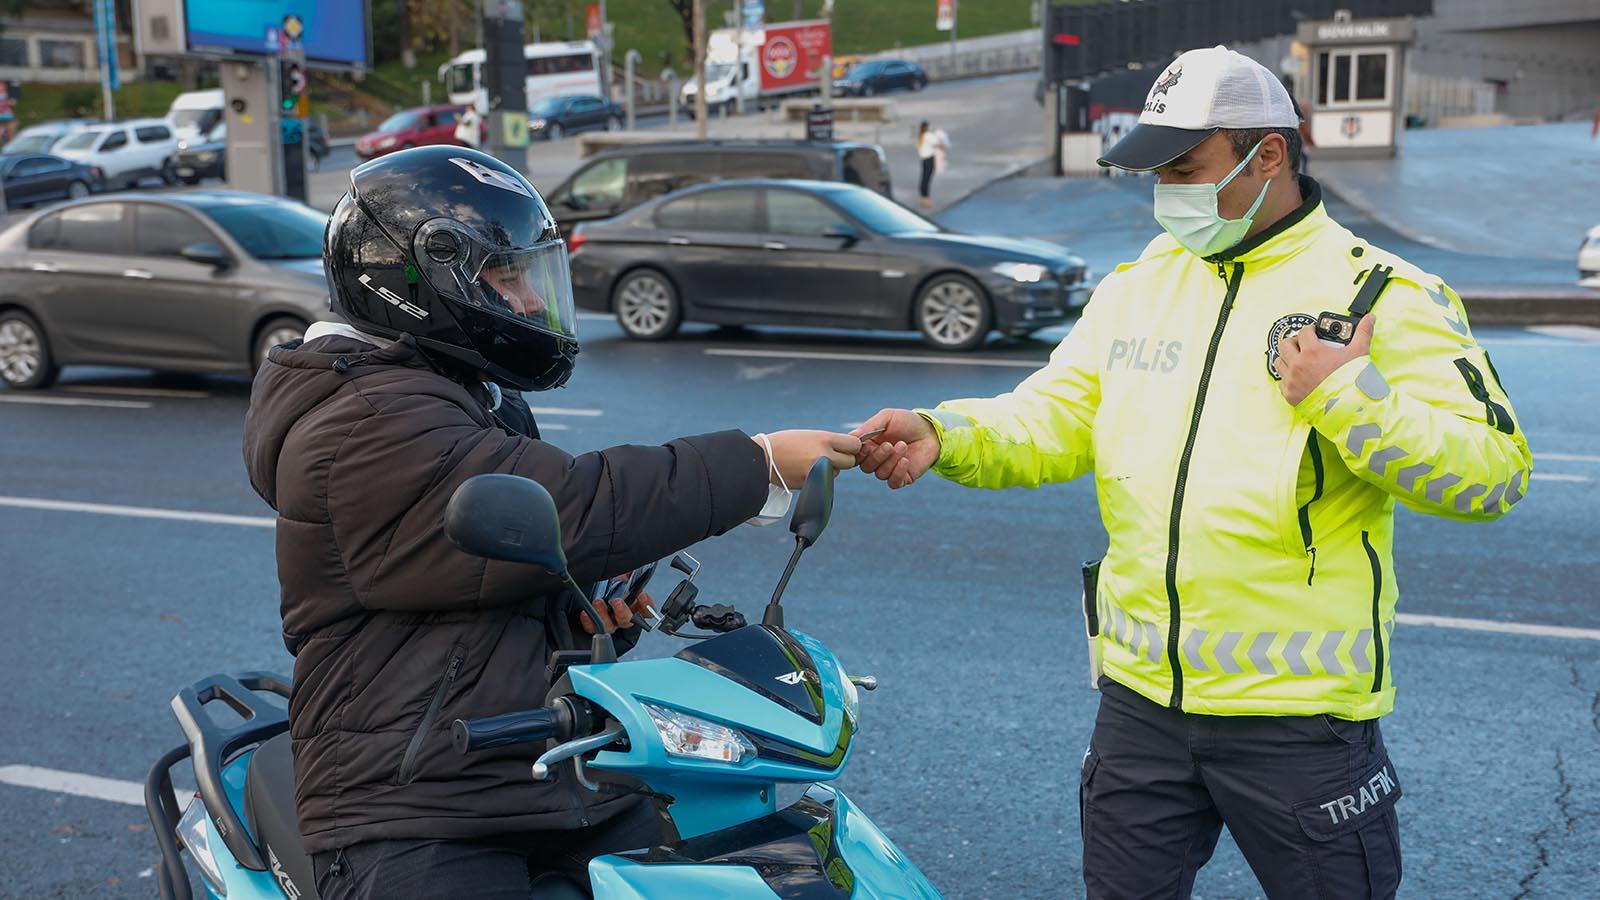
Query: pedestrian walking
{"type": "Point", "coordinates": [1253, 394]}
{"type": "Point", "coordinates": [933, 149]}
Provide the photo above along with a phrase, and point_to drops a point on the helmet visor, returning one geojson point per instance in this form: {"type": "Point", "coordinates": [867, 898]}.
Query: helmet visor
{"type": "Point", "coordinates": [530, 285]}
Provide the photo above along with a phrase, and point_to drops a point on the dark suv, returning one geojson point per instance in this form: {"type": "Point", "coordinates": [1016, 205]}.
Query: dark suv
{"type": "Point", "coordinates": [614, 182]}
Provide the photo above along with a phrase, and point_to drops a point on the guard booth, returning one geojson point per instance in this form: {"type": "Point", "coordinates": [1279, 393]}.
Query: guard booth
{"type": "Point", "coordinates": [1351, 93]}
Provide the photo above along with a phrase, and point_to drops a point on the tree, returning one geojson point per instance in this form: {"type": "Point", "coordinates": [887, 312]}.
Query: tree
{"type": "Point", "coordinates": [685, 11]}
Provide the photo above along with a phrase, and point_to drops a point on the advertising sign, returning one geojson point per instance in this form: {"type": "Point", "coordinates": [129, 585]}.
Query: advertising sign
{"type": "Point", "coordinates": [332, 32]}
{"type": "Point", "coordinates": [792, 55]}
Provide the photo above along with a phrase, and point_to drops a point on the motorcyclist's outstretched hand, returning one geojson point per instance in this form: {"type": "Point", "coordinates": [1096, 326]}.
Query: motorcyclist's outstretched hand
{"type": "Point", "coordinates": [794, 451]}
{"type": "Point", "coordinates": [907, 447]}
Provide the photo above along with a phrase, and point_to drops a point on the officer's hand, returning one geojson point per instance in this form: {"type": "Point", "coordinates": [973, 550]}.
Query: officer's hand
{"type": "Point", "coordinates": [616, 615]}
{"type": "Point", "coordinates": [906, 449]}
{"type": "Point", "coordinates": [1304, 361]}
{"type": "Point", "coordinates": [795, 451]}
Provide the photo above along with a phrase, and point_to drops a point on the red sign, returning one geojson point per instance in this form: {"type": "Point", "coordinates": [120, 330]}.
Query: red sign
{"type": "Point", "coordinates": [1066, 40]}
{"type": "Point", "coordinates": [792, 55]}
{"type": "Point", "coordinates": [944, 16]}
{"type": "Point", "coordinates": [591, 18]}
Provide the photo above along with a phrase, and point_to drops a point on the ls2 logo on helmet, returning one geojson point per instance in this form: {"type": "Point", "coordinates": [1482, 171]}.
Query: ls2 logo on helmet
{"type": "Point", "coordinates": [1281, 329]}
{"type": "Point", "coordinates": [394, 299]}
{"type": "Point", "coordinates": [491, 177]}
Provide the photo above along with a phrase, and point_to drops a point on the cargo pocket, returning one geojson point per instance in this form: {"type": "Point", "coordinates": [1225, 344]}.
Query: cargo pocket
{"type": "Point", "coordinates": [1091, 761]}
{"type": "Point", "coordinates": [408, 763]}
{"type": "Point", "coordinates": [1354, 834]}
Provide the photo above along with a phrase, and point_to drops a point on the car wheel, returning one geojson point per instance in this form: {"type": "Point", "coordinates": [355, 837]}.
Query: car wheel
{"type": "Point", "coordinates": [613, 124]}
{"type": "Point", "coordinates": [921, 83]}
{"type": "Point", "coordinates": [554, 131]}
{"type": "Point", "coordinates": [25, 362]}
{"type": "Point", "coordinates": [77, 189]}
{"type": "Point", "coordinates": [277, 331]}
{"type": "Point", "coordinates": [867, 90]}
{"type": "Point", "coordinates": [169, 173]}
{"type": "Point", "coordinates": [952, 313]}
{"type": "Point", "coordinates": [647, 305]}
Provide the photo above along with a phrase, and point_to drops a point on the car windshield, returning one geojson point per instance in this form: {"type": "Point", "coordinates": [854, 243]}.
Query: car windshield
{"type": "Point", "coordinates": [860, 69]}
{"type": "Point", "coordinates": [549, 106]}
{"type": "Point", "coordinates": [273, 230]}
{"type": "Point", "coordinates": [82, 140]}
{"type": "Point", "coordinates": [399, 122]}
{"type": "Point", "coordinates": [881, 214]}
{"type": "Point", "coordinates": [28, 143]}
{"type": "Point", "coordinates": [719, 71]}
{"type": "Point", "coordinates": [191, 118]}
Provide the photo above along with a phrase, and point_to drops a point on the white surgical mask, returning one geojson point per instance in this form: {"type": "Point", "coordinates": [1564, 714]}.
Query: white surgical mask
{"type": "Point", "coordinates": [1188, 212]}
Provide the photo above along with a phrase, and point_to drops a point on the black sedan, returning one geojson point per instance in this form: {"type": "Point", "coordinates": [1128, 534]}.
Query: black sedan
{"type": "Point", "coordinates": [194, 281]}
{"type": "Point", "coordinates": [30, 178]}
{"type": "Point", "coordinates": [815, 253]}
{"type": "Point", "coordinates": [553, 117]}
{"type": "Point", "coordinates": [208, 158]}
{"type": "Point", "coordinates": [880, 76]}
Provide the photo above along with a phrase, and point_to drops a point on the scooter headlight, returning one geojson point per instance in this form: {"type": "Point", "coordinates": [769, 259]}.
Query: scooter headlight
{"type": "Point", "coordinates": [695, 738]}
{"type": "Point", "coordinates": [196, 837]}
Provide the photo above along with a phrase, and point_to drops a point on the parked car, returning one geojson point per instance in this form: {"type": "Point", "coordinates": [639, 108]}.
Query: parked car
{"type": "Point", "coordinates": [1589, 255]}
{"type": "Point", "coordinates": [31, 178]}
{"type": "Point", "coordinates": [196, 281]}
{"type": "Point", "coordinates": [407, 128]}
{"type": "Point", "coordinates": [880, 76]}
{"type": "Point", "coordinates": [614, 182]}
{"type": "Point", "coordinates": [815, 253]}
{"type": "Point", "coordinates": [43, 136]}
{"type": "Point", "coordinates": [209, 158]}
{"type": "Point", "coordinates": [126, 152]}
{"type": "Point", "coordinates": [553, 117]}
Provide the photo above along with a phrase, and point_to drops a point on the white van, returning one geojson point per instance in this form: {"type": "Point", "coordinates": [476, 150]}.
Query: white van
{"type": "Point", "coordinates": [124, 152]}
{"type": "Point", "coordinates": [193, 115]}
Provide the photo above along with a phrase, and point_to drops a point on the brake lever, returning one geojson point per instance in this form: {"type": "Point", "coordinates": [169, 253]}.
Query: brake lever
{"type": "Point", "coordinates": [575, 747]}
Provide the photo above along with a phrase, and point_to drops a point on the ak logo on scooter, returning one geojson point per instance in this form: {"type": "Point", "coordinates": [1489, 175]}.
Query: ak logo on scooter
{"type": "Point", "coordinates": [284, 881]}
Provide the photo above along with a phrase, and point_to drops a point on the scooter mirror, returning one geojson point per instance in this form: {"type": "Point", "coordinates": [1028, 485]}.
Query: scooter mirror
{"type": "Point", "coordinates": [506, 517]}
{"type": "Point", "coordinates": [815, 503]}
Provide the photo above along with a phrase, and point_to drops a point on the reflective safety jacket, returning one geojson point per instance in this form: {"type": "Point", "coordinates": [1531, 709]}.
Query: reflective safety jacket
{"type": "Point", "coordinates": [1250, 567]}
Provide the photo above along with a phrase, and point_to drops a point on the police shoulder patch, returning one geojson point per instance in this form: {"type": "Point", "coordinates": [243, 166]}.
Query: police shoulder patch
{"type": "Point", "coordinates": [1281, 329]}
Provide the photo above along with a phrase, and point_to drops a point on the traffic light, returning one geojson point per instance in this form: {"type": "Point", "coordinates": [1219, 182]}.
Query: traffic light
{"type": "Point", "coordinates": [292, 78]}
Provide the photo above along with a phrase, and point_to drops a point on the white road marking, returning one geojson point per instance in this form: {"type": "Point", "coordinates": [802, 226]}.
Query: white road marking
{"type": "Point", "coordinates": [554, 426]}
{"type": "Point", "coordinates": [138, 512]}
{"type": "Point", "coordinates": [43, 400]}
{"type": "Point", "coordinates": [1552, 476]}
{"type": "Point", "coordinates": [132, 391]}
{"type": "Point", "coordinates": [1567, 457]}
{"type": "Point", "coordinates": [564, 411]}
{"type": "Point", "coordinates": [74, 783]}
{"type": "Point", "coordinates": [881, 357]}
{"type": "Point", "coordinates": [1586, 333]}
{"type": "Point", "coordinates": [1552, 631]}
{"type": "Point", "coordinates": [1538, 342]}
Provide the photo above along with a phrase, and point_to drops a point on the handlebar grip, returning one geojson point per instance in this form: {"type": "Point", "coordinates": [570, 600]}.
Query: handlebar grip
{"type": "Point", "coordinates": [511, 728]}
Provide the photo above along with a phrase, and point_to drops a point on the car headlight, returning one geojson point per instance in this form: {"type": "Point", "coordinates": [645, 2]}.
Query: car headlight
{"type": "Point", "coordinates": [196, 838]}
{"type": "Point", "coordinates": [386, 142]}
{"type": "Point", "coordinates": [1028, 273]}
{"type": "Point", "coordinates": [695, 738]}
{"type": "Point", "coordinates": [183, 145]}
{"type": "Point", "coordinates": [536, 123]}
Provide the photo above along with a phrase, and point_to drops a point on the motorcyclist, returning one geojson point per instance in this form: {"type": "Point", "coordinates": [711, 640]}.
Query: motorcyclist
{"type": "Point", "coordinates": [451, 281]}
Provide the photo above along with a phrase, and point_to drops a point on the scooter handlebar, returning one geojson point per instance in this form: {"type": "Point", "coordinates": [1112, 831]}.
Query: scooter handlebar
{"type": "Point", "coordinates": [553, 721]}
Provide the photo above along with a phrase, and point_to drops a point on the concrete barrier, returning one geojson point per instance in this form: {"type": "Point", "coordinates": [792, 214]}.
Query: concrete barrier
{"type": "Point", "coordinates": [592, 142]}
{"type": "Point", "coordinates": [845, 109]}
{"type": "Point", "coordinates": [1528, 304]}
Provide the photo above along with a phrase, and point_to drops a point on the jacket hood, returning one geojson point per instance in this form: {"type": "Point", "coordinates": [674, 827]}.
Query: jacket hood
{"type": "Point", "coordinates": [295, 379]}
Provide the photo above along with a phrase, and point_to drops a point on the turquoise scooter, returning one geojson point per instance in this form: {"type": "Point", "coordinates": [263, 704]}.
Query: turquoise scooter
{"type": "Point", "coordinates": [712, 732]}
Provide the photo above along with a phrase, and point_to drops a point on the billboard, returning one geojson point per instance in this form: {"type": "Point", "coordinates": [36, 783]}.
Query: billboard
{"type": "Point", "coordinates": [336, 32]}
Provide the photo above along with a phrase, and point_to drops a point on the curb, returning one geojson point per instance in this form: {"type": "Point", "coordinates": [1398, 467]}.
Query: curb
{"type": "Point", "coordinates": [1524, 304]}
{"type": "Point", "coordinates": [1009, 173]}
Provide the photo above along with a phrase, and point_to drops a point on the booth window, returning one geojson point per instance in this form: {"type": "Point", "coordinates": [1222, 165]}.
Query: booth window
{"type": "Point", "coordinates": [1353, 76]}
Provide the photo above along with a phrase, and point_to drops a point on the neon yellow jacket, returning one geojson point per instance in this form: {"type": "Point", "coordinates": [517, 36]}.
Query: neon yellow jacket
{"type": "Point", "coordinates": [1250, 568]}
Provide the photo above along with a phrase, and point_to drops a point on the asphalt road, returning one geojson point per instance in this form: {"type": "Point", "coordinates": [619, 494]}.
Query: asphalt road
{"type": "Point", "coordinates": [962, 603]}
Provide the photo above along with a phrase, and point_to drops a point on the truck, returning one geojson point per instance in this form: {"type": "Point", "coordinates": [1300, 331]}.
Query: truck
{"type": "Point", "coordinates": [781, 60]}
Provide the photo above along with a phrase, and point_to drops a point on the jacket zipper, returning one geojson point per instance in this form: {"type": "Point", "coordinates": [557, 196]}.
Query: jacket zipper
{"type": "Point", "coordinates": [1183, 477]}
{"type": "Point", "coordinates": [412, 748]}
{"type": "Point", "coordinates": [1377, 625]}
{"type": "Point", "coordinates": [1305, 511]}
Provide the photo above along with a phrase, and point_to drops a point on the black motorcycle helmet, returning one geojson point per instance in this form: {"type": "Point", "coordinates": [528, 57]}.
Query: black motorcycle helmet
{"type": "Point", "coordinates": [457, 249]}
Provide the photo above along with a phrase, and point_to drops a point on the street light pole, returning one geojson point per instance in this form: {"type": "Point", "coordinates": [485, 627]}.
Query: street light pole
{"type": "Point", "coordinates": [738, 55]}
{"type": "Point", "coordinates": [604, 39]}
{"type": "Point", "coordinates": [955, 17]}
{"type": "Point", "coordinates": [700, 68]}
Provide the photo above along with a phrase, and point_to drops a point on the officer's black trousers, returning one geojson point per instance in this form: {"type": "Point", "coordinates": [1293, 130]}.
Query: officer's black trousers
{"type": "Point", "coordinates": [1309, 800]}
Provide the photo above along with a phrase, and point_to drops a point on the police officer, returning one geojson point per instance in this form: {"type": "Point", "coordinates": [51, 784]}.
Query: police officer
{"type": "Point", "coordinates": [1253, 394]}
